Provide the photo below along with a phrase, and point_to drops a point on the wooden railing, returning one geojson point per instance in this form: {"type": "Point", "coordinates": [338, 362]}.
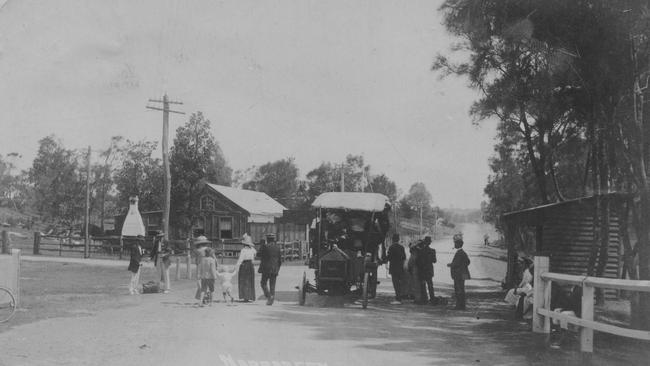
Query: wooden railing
{"type": "Point", "coordinates": [294, 250]}
{"type": "Point", "coordinates": [105, 245]}
{"type": "Point", "coordinates": [542, 313]}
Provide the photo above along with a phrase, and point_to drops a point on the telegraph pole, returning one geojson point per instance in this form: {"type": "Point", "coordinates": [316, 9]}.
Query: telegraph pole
{"type": "Point", "coordinates": [165, 150]}
{"type": "Point", "coordinates": [87, 218]}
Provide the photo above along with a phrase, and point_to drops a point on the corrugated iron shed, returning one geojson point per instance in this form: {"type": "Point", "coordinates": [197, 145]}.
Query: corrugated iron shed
{"type": "Point", "coordinates": [564, 231]}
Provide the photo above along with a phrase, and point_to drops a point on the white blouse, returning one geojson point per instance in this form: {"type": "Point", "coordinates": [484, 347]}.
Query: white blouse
{"type": "Point", "coordinates": [247, 253]}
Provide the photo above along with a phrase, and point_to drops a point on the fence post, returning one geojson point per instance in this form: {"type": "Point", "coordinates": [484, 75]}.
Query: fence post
{"type": "Point", "coordinates": [121, 246]}
{"type": "Point", "coordinates": [15, 253]}
{"type": "Point", "coordinates": [37, 242]}
{"type": "Point", "coordinates": [541, 324]}
{"type": "Point", "coordinates": [586, 333]}
{"type": "Point", "coordinates": [6, 244]}
{"type": "Point", "coordinates": [188, 260]}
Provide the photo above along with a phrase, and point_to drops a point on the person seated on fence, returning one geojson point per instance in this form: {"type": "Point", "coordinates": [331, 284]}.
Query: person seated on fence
{"type": "Point", "coordinates": [521, 297]}
{"type": "Point", "coordinates": [226, 273]}
{"type": "Point", "coordinates": [564, 304]}
{"type": "Point", "coordinates": [207, 275]}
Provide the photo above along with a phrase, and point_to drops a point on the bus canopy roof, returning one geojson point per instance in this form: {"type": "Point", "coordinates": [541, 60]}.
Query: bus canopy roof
{"type": "Point", "coordinates": [359, 201]}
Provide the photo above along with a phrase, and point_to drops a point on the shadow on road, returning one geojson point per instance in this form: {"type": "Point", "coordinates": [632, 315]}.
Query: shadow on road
{"type": "Point", "coordinates": [484, 334]}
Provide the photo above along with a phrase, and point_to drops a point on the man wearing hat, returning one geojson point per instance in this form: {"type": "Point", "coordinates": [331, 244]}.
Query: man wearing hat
{"type": "Point", "coordinates": [459, 272]}
{"type": "Point", "coordinates": [395, 258]}
{"type": "Point", "coordinates": [270, 262]}
{"type": "Point", "coordinates": [424, 262]}
{"type": "Point", "coordinates": [162, 260]}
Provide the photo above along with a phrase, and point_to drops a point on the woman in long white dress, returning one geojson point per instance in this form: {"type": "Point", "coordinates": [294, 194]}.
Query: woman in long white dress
{"type": "Point", "coordinates": [522, 296]}
{"type": "Point", "coordinates": [246, 272]}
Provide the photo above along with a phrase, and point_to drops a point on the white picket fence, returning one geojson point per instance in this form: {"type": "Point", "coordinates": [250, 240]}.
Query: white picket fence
{"type": "Point", "coordinates": [542, 313]}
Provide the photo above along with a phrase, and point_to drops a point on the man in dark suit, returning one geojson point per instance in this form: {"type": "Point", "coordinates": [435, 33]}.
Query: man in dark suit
{"type": "Point", "coordinates": [271, 259]}
{"type": "Point", "coordinates": [424, 262]}
{"type": "Point", "coordinates": [396, 257]}
{"type": "Point", "coordinates": [459, 272]}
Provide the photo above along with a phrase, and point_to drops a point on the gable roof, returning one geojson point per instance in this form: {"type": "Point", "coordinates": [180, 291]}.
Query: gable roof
{"type": "Point", "coordinates": [256, 203]}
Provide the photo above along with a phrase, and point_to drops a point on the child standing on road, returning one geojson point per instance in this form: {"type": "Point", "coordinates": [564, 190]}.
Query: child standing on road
{"type": "Point", "coordinates": [226, 283]}
{"type": "Point", "coordinates": [207, 273]}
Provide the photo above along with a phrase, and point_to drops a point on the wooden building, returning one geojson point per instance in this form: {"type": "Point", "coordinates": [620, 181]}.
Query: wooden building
{"type": "Point", "coordinates": [227, 213]}
{"type": "Point", "coordinates": [292, 230]}
{"type": "Point", "coordinates": [566, 232]}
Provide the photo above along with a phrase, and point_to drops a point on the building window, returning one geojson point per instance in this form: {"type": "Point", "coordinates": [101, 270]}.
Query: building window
{"type": "Point", "coordinates": [207, 203]}
{"type": "Point", "coordinates": [200, 227]}
{"type": "Point", "coordinates": [225, 227]}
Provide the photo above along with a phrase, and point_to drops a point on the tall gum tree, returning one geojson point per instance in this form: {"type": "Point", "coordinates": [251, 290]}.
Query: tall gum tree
{"type": "Point", "coordinates": [578, 64]}
{"type": "Point", "coordinates": [195, 159]}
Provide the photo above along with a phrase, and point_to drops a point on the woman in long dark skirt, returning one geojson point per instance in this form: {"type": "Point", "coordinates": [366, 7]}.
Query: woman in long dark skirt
{"type": "Point", "coordinates": [246, 275]}
{"type": "Point", "coordinates": [411, 284]}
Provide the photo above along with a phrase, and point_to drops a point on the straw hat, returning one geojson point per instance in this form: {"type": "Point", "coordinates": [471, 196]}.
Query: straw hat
{"type": "Point", "coordinates": [247, 240]}
{"type": "Point", "coordinates": [201, 240]}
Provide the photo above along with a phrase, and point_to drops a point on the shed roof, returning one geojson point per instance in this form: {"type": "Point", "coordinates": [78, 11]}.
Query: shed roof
{"type": "Point", "coordinates": [535, 214]}
{"type": "Point", "coordinates": [256, 203]}
{"type": "Point", "coordinates": [374, 202]}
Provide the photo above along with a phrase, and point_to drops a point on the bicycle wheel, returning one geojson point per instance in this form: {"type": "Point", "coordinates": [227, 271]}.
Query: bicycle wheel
{"type": "Point", "coordinates": [7, 304]}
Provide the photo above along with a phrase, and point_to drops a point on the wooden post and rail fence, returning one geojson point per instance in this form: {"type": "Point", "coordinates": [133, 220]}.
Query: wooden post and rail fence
{"type": "Point", "coordinates": [542, 312]}
{"type": "Point", "coordinates": [111, 245]}
{"type": "Point", "coordinates": [10, 266]}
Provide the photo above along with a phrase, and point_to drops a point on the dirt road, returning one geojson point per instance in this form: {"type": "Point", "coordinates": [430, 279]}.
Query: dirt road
{"type": "Point", "coordinates": [170, 329]}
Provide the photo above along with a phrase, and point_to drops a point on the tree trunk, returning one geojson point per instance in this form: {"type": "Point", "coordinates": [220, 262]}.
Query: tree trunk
{"type": "Point", "coordinates": [642, 308]}
{"type": "Point", "coordinates": [595, 159]}
{"type": "Point", "coordinates": [537, 165]}
{"type": "Point", "coordinates": [556, 185]}
{"type": "Point", "coordinates": [629, 270]}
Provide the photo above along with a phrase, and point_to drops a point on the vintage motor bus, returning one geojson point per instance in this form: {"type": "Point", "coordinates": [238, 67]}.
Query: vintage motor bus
{"type": "Point", "coordinates": [346, 236]}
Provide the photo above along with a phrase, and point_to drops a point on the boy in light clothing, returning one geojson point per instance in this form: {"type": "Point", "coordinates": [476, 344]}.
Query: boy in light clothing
{"type": "Point", "coordinates": [226, 282]}
{"type": "Point", "coordinates": [207, 273]}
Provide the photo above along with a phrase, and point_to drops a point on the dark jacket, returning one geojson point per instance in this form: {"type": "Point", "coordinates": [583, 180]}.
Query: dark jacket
{"type": "Point", "coordinates": [425, 260]}
{"type": "Point", "coordinates": [459, 265]}
{"type": "Point", "coordinates": [396, 257]}
{"type": "Point", "coordinates": [271, 259]}
{"type": "Point", "coordinates": [161, 252]}
{"type": "Point", "coordinates": [136, 258]}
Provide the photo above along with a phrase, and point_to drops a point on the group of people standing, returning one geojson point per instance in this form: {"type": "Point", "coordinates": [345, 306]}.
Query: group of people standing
{"type": "Point", "coordinates": [270, 262]}
{"type": "Point", "coordinates": [413, 278]}
{"type": "Point", "coordinates": [208, 271]}
{"type": "Point", "coordinates": [160, 258]}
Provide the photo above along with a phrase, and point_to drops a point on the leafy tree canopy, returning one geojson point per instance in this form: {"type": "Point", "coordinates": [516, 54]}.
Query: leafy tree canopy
{"type": "Point", "coordinates": [195, 158]}
{"type": "Point", "coordinates": [58, 187]}
{"type": "Point", "coordinates": [278, 179]}
{"type": "Point", "coordinates": [140, 174]}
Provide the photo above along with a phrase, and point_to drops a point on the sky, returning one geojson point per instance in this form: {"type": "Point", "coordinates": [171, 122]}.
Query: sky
{"type": "Point", "coordinates": [309, 79]}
